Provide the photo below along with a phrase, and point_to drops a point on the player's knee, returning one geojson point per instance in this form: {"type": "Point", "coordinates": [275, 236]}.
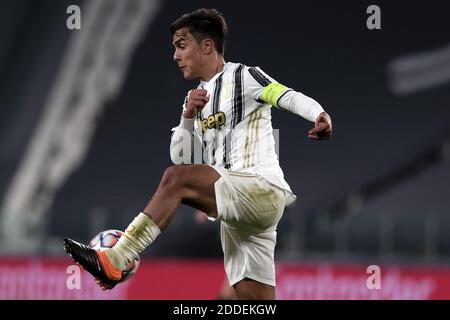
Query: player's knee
{"type": "Point", "coordinates": [248, 289]}
{"type": "Point", "coordinates": [173, 178]}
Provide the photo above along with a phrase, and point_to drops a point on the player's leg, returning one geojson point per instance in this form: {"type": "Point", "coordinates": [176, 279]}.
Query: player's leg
{"type": "Point", "coordinates": [226, 292]}
{"type": "Point", "coordinates": [248, 232]}
{"type": "Point", "coordinates": [190, 184]}
{"type": "Point", "coordinates": [249, 262]}
{"type": "Point", "coordinates": [248, 289]}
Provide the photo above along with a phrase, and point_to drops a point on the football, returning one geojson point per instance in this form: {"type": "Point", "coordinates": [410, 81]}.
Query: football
{"type": "Point", "coordinates": [108, 239]}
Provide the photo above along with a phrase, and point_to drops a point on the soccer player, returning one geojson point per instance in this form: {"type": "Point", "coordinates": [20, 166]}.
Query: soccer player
{"type": "Point", "coordinates": [238, 180]}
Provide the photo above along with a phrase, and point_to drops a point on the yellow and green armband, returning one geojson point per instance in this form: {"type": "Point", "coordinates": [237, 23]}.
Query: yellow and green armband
{"type": "Point", "coordinates": [273, 92]}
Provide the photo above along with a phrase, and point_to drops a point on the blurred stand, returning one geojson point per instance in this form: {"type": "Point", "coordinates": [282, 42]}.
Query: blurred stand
{"type": "Point", "coordinates": [90, 74]}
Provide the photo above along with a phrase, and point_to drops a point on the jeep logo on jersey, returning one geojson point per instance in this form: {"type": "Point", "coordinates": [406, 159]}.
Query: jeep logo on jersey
{"type": "Point", "coordinates": [213, 121]}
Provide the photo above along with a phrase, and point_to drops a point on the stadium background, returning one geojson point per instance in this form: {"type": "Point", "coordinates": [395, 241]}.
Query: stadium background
{"type": "Point", "coordinates": [85, 117]}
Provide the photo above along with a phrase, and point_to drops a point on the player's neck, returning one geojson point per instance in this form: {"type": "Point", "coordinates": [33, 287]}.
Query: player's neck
{"type": "Point", "coordinates": [212, 69]}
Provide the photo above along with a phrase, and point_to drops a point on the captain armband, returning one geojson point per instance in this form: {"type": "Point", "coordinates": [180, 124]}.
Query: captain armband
{"type": "Point", "coordinates": [273, 92]}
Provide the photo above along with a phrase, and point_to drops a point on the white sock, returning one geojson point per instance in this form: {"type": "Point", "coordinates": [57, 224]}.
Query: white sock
{"type": "Point", "coordinates": [141, 232]}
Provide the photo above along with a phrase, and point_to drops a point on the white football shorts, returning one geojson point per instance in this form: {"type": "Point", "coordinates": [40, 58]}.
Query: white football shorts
{"type": "Point", "coordinates": [249, 209]}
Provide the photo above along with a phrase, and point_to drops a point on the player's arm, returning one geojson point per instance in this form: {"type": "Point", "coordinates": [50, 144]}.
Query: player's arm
{"type": "Point", "coordinates": [308, 108]}
{"type": "Point", "coordinates": [267, 90]}
{"type": "Point", "coordinates": [182, 143]}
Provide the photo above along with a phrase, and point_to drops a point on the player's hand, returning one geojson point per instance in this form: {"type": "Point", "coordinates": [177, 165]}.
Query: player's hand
{"type": "Point", "coordinates": [197, 100]}
{"type": "Point", "coordinates": [322, 128]}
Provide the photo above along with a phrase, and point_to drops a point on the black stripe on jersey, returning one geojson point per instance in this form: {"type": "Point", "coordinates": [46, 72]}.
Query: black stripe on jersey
{"type": "Point", "coordinates": [258, 76]}
{"type": "Point", "coordinates": [238, 99]}
{"type": "Point", "coordinates": [238, 109]}
{"type": "Point", "coordinates": [226, 154]}
{"type": "Point", "coordinates": [216, 96]}
{"type": "Point", "coordinates": [215, 109]}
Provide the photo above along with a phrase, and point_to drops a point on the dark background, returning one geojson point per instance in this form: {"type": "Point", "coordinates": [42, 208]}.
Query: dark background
{"type": "Point", "coordinates": [386, 148]}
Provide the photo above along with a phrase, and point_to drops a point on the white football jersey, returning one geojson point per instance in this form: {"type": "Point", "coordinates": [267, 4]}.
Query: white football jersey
{"type": "Point", "coordinates": [234, 129]}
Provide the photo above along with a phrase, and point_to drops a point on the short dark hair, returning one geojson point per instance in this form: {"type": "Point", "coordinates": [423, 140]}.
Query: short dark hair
{"type": "Point", "coordinates": [204, 23]}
